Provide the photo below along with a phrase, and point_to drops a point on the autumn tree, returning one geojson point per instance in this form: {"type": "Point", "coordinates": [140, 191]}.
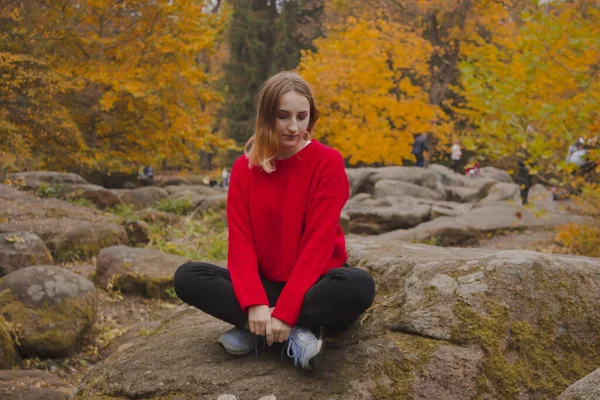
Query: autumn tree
{"type": "Point", "coordinates": [532, 86]}
{"type": "Point", "coordinates": [372, 79]}
{"type": "Point", "coordinates": [138, 90]}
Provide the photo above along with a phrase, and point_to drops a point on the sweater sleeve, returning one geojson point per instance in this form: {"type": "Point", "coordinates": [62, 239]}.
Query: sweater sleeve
{"type": "Point", "coordinates": [241, 259]}
{"type": "Point", "coordinates": [322, 222]}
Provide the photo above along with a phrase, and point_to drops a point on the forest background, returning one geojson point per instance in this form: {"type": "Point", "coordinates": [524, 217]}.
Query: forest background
{"type": "Point", "coordinates": [106, 86]}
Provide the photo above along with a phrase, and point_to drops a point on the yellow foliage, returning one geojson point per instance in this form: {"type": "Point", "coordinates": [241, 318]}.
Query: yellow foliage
{"type": "Point", "coordinates": [370, 78]}
{"type": "Point", "coordinates": [118, 83]}
{"type": "Point", "coordinates": [583, 238]}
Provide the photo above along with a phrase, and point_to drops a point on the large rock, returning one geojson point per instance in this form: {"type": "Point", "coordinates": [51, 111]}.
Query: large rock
{"type": "Point", "coordinates": [390, 188]}
{"type": "Point", "coordinates": [469, 194]}
{"type": "Point", "coordinates": [463, 229]}
{"type": "Point", "coordinates": [101, 197]}
{"type": "Point", "coordinates": [21, 249]}
{"type": "Point", "coordinates": [495, 174]}
{"type": "Point", "coordinates": [134, 270]}
{"type": "Point", "coordinates": [8, 192]}
{"type": "Point", "coordinates": [8, 352]}
{"type": "Point", "coordinates": [70, 239]}
{"type": "Point", "coordinates": [33, 385]}
{"type": "Point", "coordinates": [374, 220]}
{"type": "Point", "coordinates": [503, 192]}
{"type": "Point", "coordinates": [198, 189]}
{"type": "Point", "coordinates": [51, 308]}
{"type": "Point", "coordinates": [68, 231]}
{"type": "Point", "coordinates": [541, 197]}
{"type": "Point", "coordinates": [447, 324]}
{"type": "Point", "coordinates": [35, 179]}
{"type": "Point", "coordinates": [141, 197]}
{"type": "Point", "coordinates": [587, 388]}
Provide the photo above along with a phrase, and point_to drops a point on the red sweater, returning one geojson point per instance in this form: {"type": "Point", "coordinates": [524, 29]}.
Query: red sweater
{"type": "Point", "coordinates": [285, 226]}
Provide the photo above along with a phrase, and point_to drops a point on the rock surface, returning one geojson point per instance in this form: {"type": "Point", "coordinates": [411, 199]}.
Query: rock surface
{"type": "Point", "coordinates": [465, 229]}
{"type": "Point", "coordinates": [35, 179]}
{"type": "Point", "coordinates": [587, 388]}
{"type": "Point", "coordinates": [141, 197]}
{"type": "Point", "coordinates": [21, 249]}
{"type": "Point", "coordinates": [51, 308]}
{"type": "Point", "coordinates": [33, 385]}
{"type": "Point", "coordinates": [69, 231]}
{"type": "Point", "coordinates": [446, 324]}
{"type": "Point", "coordinates": [134, 270]}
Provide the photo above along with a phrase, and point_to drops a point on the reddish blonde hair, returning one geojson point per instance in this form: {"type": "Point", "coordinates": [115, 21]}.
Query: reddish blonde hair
{"type": "Point", "coordinates": [261, 149]}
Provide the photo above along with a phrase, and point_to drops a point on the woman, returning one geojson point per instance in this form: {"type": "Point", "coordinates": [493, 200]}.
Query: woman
{"type": "Point", "coordinates": [287, 274]}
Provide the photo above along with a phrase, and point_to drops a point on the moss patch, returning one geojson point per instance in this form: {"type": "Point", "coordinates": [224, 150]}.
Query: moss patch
{"type": "Point", "coordinates": [393, 379]}
{"type": "Point", "coordinates": [50, 331]}
{"type": "Point", "coordinates": [8, 353]}
{"type": "Point", "coordinates": [520, 357]}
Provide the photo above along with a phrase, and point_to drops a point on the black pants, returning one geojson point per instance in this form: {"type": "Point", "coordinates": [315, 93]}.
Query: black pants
{"type": "Point", "coordinates": [420, 160]}
{"type": "Point", "coordinates": [335, 301]}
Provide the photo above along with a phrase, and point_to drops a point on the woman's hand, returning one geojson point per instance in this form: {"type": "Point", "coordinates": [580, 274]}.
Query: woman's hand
{"type": "Point", "coordinates": [281, 331]}
{"type": "Point", "coordinates": [259, 321]}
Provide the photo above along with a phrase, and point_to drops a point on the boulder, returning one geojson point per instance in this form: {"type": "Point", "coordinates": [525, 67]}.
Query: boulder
{"type": "Point", "coordinates": [70, 239]}
{"type": "Point", "coordinates": [446, 324]}
{"type": "Point", "coordinates": [587, 388]}
{"type": "Point", "coordinates": [101, 197]}
{"type": "Point", "coordinates": [447, 177]}
{"type": "Point", "coordinates": [141, 197]}
{"type": "Point", "coordinates": [35, 179]}
{"type": "Point", "coordinates": [21, 249]}
{"type": "Point", "coordinates": [8, 192]}
{"type": "Point", "coordinates": [32, 385]}
{"type": "Point", "coordinates": [390, 188]}
{"type": "Point", "coordinates": [495, 174]}
{"type": "Point", "coordinates": [541, 197]}
{"type": "Point", "coordinates": [345, 222]}
{"type": "Point", "coordinates": [359, 197]}
{"type": "Point", "coordinates": [198, 189]}
{"type": "Point", "coordinates": [468, 194]}
{"type": "Point", "coordinates": [417, 176]}
{"type": "Point", "coordinates": [138, 232]}
{"type": "Point", "coordinates": [140, 271]}
{"type": "Point", "coordinates": [68, 231]}
{"type": "Point", "coordinates": [213, 203]}
{"type": "Point", "coordinates": [502, 191]}
{"type": "Point", "coordinates": [467, 228]}
{"type": "Point", "coordinates": [8, 352]}
{"type": "Point", "coordinates": [374, 220]}
{"type": "Point", "coordinates": [152, 216]}
{"type": "Point", "coordinates": [360, 180]}
{"type": "Point", "coordinates": [52, 309]}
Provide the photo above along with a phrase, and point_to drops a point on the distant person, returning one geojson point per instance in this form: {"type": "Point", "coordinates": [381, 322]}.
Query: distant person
{"type": "Point", "coordinates": [473, 168]}
{"type": "Point", "coordinates": [225, 176]}
{"type": "Point", "coordinates": [419, 147]}
{"type": "Point", "coordinates": [147, 175]}
{"type": "Point", "coordinates": [523, 180]}
{"type": "Point", "coordinates": [287, 273]}
{"type": "Point", "coordinates": [455, 155]}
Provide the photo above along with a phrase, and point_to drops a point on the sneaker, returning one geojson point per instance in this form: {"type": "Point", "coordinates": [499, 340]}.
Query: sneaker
{"type": "Point", "coordinates": [304, 347]}
{"type": "Point", "coordinates": [238, 341]}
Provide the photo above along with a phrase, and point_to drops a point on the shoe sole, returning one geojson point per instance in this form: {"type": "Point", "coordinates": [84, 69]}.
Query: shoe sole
{"type": "Point", "coordinates": [233, 352]}
{"type": "Point", "coordinates": [315, 363]}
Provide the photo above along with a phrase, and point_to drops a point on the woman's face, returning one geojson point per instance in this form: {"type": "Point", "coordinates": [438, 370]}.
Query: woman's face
{"type": "Point", "coordinates": [293, 116]}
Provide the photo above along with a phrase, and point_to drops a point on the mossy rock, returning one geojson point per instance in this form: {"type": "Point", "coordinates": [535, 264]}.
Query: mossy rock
{"type": "Point", "coordinates": [8, 351]}
{"type": "Point", "coordinates": [137, 271]}
{"type": "Point", "coordinates": [21, 249]}
{"type": "Point", "coordinates": [51, 309]}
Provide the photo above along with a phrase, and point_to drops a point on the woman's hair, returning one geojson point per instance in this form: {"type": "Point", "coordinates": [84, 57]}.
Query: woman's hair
{"type": "Point", "coordinates": [261, 149]}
